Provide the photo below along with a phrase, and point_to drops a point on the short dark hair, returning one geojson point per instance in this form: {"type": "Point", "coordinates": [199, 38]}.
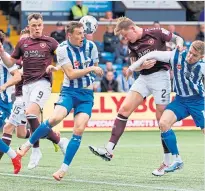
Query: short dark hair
{"type": "Point", "coordinates": [2, 36]}
{"type": "Point", "coordinates": [72, 25]}
{"type": "Point", "coordinates": [58, 24]}
{"type": "Point", "coordinates": [35, 16]}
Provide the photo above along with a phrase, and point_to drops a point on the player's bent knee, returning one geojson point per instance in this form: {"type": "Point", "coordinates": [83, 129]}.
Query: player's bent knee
{"type": "Point", "coordinates": [54, 120]}
{"type": "Point", "coordinates": [124, 110]}
{"type": "Point", "coordinates": [8, 128]}
{"type": "Point", "coordinates": [78, 131]}
{"type": "Point", "coordinates": [163, 125]}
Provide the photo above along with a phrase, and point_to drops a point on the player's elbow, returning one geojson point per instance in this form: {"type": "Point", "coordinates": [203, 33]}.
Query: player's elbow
{"type": "Point", "coordinates": [17, 77]}
{"type": "Point", "coordinates": [70, 76]}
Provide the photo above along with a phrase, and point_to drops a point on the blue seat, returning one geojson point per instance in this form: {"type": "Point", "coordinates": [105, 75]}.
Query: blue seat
{"type": "Point", "coordinates": [187, 44]}
{"type": "Point", "coordinates": [107, 56]}
{"type": "Point", "coordinates": [100, 46]}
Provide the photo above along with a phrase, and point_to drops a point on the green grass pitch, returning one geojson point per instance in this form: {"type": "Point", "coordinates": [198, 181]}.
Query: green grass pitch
{"type": "Point", "coordinates": [135, 157]}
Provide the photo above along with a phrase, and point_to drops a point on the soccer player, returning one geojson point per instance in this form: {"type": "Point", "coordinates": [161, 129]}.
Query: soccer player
{"type": "Point", "coordinates": [78, 58]}
{"type": "Point", "coordinates": [37, 53]}
{"type": "Point", "coordinates": [189, 71]}
{"type": "Point", "coordinates": [9, 77]}
{"type": "Point", "coordinates": [141, 41]}
{"type": "Point", "coordinates": [17, 119]}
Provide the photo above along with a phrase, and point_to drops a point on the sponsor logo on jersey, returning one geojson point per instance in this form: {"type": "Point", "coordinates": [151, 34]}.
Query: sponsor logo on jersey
{"type": "Point", "coordinates": [151, 41]}
{"type": "Point", "coordinates": [76, 64]}
{"type": "Point", "coordinates": [135, 47]}
{"type": "Point", "coordinates": [179, 66]}
{"type": "Point", "coordinates": [42, 45]}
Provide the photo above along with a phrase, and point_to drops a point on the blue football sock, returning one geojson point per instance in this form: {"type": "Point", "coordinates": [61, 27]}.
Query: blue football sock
{"type": "Point", "coordinates": [170, 140]}
{"type": "Point", "coordinates": [3, 147]}
{"type": "Point", "coordinates": [72, 148]}
{"type": "Point", "coordinates": [40, 132]}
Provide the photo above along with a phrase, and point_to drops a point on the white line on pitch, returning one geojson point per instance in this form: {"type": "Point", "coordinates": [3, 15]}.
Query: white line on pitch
{"type": "Point", "coordinates": [95, 182]}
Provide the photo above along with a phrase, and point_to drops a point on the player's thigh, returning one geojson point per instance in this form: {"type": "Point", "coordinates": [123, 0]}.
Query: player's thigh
{"type": "Point", "coordinates": [65, 99]}
{"type": "Point", "coordinates": [39, 92]}
{"type": "Point", "coordinates": [159, 110]}
{"type": "Point", "coordinates": [132, 100]}
{"type": "Point", "coordinates": [167, 119]}
{"type": "Point", "coordinates": [21, 131]}
{"type": "Point", "coordinates": [83, 101]}
{"type": "Point", "coordinates": [141, 86]}
{"type": "Point", "coordinates": [80, 122]}
{"type": "Point", "coordinates": [196, 110]}
{"type": "Point", "coordinates": [18, 116]}
{"type": "Point", "coordinates": [160, 87]}
{"type": "Point", "coordinates": [178, 108]}
{"type": "Point", "coordinates": [59, 113]}
{"type": "Point", "coordinates": [134, 97]}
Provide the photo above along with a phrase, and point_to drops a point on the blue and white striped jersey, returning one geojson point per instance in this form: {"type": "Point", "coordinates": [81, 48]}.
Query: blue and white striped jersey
{"type": "Point", "coordinates": [79, 58]}
{"type": "Point", "coordinates": [188, 78]}
{"type": "Point", "coordinates": [5, 97]}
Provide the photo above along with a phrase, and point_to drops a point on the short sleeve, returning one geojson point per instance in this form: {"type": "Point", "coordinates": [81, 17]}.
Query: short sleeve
{"type": "Point", "coordinates": [165, 35]}
{"type": "Point", "coordinates": [14, 67]}
{"type": "Point", "coordinates": [94, 54]}
{"type": "Point", "coordinates": [54, 45]}
{"type": "Point", "coordinates": [62, 56]}
{"type": "Point", "coordinates": [17, 53]}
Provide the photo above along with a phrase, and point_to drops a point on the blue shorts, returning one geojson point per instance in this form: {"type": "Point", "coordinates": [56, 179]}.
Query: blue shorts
{"type": "Point", "coordinates": [4, 114]}
{"type": "Point", "coordinates": [81, 100]}
{"type": "Point", "coordinates": [185, 106]}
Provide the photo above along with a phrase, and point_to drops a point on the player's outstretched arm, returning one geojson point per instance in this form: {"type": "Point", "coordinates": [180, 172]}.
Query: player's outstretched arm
{"type": "Point", "coordinates": [6, 58]}
{"type": "Point", "coordinates": [78, 73]}
{"type": "Point", "coordinates": [178, 41]}
{"type": "Point", "coordinates": [163, 56]}
{"type": "Point", "coordinates": [16, 77]}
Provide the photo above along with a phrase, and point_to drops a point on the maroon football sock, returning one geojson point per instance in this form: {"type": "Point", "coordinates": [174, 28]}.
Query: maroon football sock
{"type": "Point", "coordinates": [118, 128]}
{"type": "Point", "coordinates": [28, 133]}
{"type": "Point", "coordinates": [34, 123]}
{"type": "Point", "coordinates": [52, 136]}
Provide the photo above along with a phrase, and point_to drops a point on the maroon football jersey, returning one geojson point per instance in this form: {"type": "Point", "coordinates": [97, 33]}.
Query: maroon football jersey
{"type": "Point", "coordinates": [152, 39]}
{"type": "Point", "coordinates": [36, 54]}
{"type": "Point", "coordinates": [18, 88]}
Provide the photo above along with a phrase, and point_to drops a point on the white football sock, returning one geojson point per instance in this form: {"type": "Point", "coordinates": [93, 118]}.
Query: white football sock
{"type": "Point", "coordinates": [167, 159]}
{"type": "Point", "coordinates": [11, 153]}
{"type": "Point", "coordinates": [177, 158]}
{"type": "Point", "coordinates": [110, 147]}
{"type": "Point", "coordinates": [64, 167]}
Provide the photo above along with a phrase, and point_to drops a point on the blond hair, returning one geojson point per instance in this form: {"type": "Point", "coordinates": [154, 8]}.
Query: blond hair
{"type": "Point", "coordinates": [198, 45]}
{"type": "Point", "coordinates": [123, 23]}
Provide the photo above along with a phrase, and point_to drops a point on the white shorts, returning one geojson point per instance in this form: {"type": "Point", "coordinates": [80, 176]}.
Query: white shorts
{"type": "Point", "coordinates": [158, 84]}
{"type": "Point", "coordinates": [18, 116]}
{"type": "Point", "coordinates": [37, 92]}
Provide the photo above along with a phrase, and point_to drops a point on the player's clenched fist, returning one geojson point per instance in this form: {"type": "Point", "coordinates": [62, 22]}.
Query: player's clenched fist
{"type": "Point", "coordinates": [98, 71]}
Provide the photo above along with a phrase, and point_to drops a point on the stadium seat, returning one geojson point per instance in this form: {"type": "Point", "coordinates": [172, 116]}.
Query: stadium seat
{"type": "Point", "coordinates": [99, 45]}
{"type": "Point", "coordinates": [107, 56]}
{"type": "Point", "coordinates": [188, 44]}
